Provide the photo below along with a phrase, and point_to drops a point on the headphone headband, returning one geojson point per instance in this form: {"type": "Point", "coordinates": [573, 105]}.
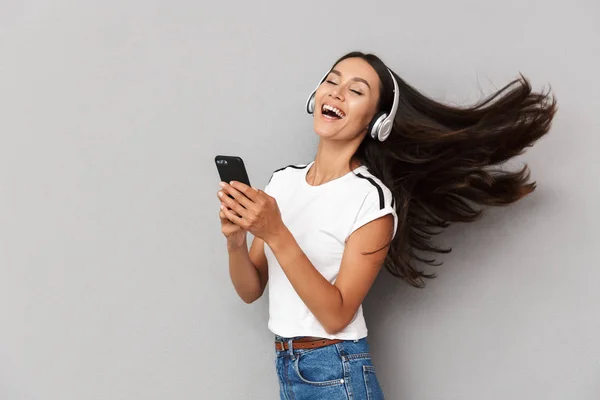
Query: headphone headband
{"type": "Point", "coordinates": [310, 103]}
{"type": "Point", "coordinates": [381, 126]}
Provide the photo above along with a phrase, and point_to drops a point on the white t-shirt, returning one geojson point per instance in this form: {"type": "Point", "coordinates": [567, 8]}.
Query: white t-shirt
{"type": "Point", "coordinates": [321, 218]}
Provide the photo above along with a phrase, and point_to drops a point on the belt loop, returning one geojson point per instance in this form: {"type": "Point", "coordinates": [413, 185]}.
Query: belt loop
{"type": "Point", "coordinates": [291, 348]}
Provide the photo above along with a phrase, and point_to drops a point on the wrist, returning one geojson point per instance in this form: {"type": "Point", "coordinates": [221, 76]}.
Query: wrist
{"type": "Point", "coordinates": [280, 238]}
{"type": "Point", "coordinates": [234, 245]}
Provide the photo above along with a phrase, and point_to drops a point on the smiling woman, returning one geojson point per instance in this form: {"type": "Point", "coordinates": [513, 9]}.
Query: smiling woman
{"type": "Point", "coordinates": [391, 169]}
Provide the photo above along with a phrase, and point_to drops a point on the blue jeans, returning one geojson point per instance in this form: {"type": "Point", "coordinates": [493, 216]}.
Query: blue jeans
{"type": "Point", "coordinates": [339, 371]}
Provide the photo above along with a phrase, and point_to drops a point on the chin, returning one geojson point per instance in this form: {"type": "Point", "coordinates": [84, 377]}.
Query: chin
{"type": "Point", "coordinates": [325, 131]}
{"type": "Point", "coordinates": [333, 133]}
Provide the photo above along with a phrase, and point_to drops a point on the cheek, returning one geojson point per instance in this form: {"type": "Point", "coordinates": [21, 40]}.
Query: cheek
{"type": "Point", "coordinates": [321, 91]}
{"type": "Point", "coordinates": [363, 112]}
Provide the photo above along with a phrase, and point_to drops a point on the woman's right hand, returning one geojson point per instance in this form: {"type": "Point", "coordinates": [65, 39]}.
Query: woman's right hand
{"type": "Point", "coordinates": [236, 236]}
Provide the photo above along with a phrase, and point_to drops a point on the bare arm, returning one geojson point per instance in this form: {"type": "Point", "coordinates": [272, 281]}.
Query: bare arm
{"type": "Point", "coordinates": [248, 270]}
{"type": "Point", "coordinates": [334, 305]}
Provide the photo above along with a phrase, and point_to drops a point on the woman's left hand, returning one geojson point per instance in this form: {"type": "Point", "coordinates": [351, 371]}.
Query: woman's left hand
{"type": "Point", "coordinates": [251, 209]}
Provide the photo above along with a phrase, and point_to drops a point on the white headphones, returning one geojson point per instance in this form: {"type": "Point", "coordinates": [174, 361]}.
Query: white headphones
{"type": "Point", "coordinates": [381, 125]}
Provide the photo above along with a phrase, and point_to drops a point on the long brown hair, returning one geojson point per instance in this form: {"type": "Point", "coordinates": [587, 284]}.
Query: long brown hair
{"type": "Point", "coordinates": [442, 162]}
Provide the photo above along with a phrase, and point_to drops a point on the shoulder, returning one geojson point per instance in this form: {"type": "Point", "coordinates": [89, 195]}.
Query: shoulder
{"type": "Point", "coordinates": [373, 189]}
{"type": "Point", "coordinates": [284, 174]}
{"type": "Point", "coordinates": [377, 200]}
{"type": "Point", "coordinates": [291, 169]}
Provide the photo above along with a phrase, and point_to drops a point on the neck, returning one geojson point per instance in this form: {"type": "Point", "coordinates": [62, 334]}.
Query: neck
{"type": "Point", "coordinates": [333, 160]}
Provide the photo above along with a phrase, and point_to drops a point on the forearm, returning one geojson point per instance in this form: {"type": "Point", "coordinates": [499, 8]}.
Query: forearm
{"type": "Point", "coordinates": [243, 273]}
{"type": "Point", "coordinates": [322, 298]}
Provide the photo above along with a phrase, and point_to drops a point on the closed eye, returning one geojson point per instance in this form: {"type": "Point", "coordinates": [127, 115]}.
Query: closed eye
{"type": "Point", "coordinates": [333, 83]}
{"type": "Point", "coordinates": [357, 92]}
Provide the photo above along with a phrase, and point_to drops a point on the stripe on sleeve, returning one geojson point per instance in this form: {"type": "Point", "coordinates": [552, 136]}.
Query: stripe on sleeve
{"type": "Point", "coordinates": [289, 166]}
{"type": "Point", "coordinates": [379, 189]}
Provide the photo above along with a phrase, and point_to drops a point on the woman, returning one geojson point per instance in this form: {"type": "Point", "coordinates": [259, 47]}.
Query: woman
{"type": "Point", "coordinates": [376, 192]}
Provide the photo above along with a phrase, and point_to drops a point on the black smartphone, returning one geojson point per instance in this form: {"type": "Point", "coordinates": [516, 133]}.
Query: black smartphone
{"type": "Point", "coordinates": [232, 168]}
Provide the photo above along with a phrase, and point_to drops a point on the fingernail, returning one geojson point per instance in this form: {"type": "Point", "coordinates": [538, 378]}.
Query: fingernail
{"type": "Point", "coordinates": [220, 194]}
{"type": "Point", "coordinates": [222, 207]}
{"type": "Point", "coordinates": [222, 184]}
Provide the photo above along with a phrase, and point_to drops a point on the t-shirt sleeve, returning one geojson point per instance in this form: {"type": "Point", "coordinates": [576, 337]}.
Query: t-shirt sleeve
{"type": "Point", "coordinates": [269, 186]}
{"type": "Point", "coordinates": [375, 205]}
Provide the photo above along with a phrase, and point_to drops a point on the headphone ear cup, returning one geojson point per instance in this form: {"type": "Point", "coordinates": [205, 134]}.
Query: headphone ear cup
{"type": "Point", "coordinates": [310, 104]}
{"type": "Point", "coordinates": [376, 122]}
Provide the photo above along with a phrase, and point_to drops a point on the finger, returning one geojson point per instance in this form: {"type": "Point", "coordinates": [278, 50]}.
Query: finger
{"type": "Point", "coordinates": [230, 228]}
{"type": "Point", "coordinates": [234, 218]}
{"type": "Point", "coordinates": [232, 204]}
{"type": "Point", "coordinates": [224, 207]}
{"type": "Point", "coordinates": [223, 216]}
{"type": "Point", "coordinates": [237, 195]}
{"type": "Point", "coordinates": [248, 191]}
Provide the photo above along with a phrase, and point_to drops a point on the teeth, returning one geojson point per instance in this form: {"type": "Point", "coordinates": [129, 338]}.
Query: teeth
{"type": "Point", "coordinates": [338, 112]}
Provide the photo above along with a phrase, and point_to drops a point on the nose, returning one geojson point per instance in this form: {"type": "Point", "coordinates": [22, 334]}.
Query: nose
{"type": "Point", "coordinates": [336, 94]}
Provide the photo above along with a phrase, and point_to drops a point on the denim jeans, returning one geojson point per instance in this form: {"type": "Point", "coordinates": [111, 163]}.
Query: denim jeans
{"type": "Point", "coordinates": [339, 371]}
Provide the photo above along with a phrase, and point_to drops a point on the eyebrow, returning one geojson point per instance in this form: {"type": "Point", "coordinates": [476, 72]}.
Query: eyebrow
{"type": "Point", "coordinates": [357, 79]}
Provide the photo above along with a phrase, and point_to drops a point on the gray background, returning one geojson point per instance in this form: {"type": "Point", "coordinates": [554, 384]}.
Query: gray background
{"type": "Point", "coordinates": [113, 270]}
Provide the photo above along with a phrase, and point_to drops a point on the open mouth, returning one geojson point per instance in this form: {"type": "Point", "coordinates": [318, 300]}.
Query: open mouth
{"type": "Point", "coordinates": [332, 112]}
